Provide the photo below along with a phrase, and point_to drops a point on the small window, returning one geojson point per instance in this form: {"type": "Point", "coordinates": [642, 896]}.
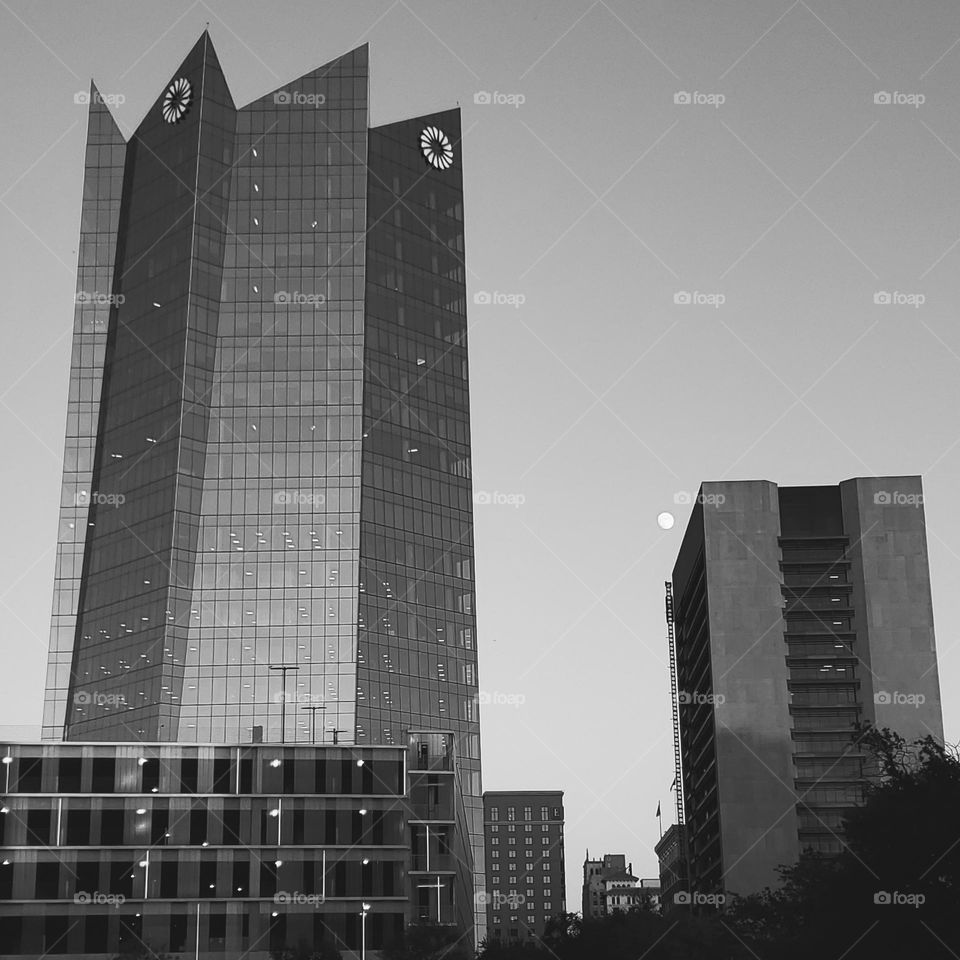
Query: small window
{"type": "Point", "coordinates": [150, 772]}
{"type": "Point", "coordinates": [189, 775]}
{"type": "Point", "coordinates": [30, 777]}
{"type": "Point", "coordinates": [104, 775]}
{"type": "Point", "coordinates": [38, 828]}
{"type": "Point", "coordinates": [78, 827]}
{"type": "Point", "coordinates": [221, 776]}
{"type": "Point", "coordinates": [69, 774]}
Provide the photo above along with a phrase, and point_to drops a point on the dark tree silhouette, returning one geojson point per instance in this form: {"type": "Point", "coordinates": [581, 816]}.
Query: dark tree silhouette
{"type": "Point", "coordinates": [895, 890]}
{"type": "Point", "coordinates": [893, 893]}
{"type": "Point", "coordinates": [303, 951]}
{"type": "Point", "coordinates": [429, 941]}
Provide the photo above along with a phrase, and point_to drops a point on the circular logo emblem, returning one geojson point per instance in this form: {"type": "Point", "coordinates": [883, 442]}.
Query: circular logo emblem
{"type": "Point", "coordinates": [435, 147]}
{"type": "Point", "coordinates": [177, 100]}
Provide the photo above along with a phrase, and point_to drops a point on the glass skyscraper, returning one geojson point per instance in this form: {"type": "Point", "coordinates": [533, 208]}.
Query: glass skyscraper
{"type": "Point", "coordinates": [267, 460]}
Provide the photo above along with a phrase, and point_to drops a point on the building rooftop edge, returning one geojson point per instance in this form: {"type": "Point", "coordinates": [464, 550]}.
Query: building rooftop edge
{"type": "Point", "coordinates": [518, 793]}
{"type": "Point", "coordinates": [180, 745]}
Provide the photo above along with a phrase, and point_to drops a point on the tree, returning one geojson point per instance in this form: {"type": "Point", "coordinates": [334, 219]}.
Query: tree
{"type": "Point", "coordinates": [625, 936]}
{"type": "Point", "coordinates": [302, 951]}
{"type": "Point", "coordinates": [136, 949]}
{"type": "Point", "coordinates": [429, 941]}
{"type": "Point", "coordinates": [894, 890]}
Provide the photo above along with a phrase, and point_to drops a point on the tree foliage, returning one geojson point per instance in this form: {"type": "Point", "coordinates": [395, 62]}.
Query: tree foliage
{"type": "Point", "coordinates": [893, 893]}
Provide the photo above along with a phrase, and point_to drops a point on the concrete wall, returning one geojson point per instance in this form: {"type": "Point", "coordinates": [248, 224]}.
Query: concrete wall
{"type": "Point", "coordinates": [754, 751]}
{"type": "Point", "coordinates": [900, 684]}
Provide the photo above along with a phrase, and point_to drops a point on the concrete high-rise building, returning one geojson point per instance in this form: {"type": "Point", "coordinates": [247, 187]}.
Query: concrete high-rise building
{"type": "Point", "coordinates": [670, 850]}
{"type": "Point", "coordinates": [526, 872]}
{"type": "Point", "coordinates": [266, 510]}
{"type": "Point", "coordinates": [799, 612]}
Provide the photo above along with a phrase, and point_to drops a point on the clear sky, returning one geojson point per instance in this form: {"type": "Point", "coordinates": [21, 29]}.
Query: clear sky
{"type": "Point", "coordinates": [782, 195]}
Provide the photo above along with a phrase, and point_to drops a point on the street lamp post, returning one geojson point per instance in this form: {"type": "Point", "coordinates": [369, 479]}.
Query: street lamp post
{"type": "Point", "coordinates": [284, 668]}
{"type": "Point", "coordinates": [363, 931]}
{"type": "Point", "coordinates": [313, 720]}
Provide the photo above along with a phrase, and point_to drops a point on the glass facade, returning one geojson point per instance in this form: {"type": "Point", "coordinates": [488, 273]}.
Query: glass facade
{"type": "Point", "coordinates": [222, 850]}
{"type": "Point", "coordinates": [267, 528]}
{"type": "Point", "coordinates": [277, 567]}
{"type": "Point", "coordinates": [96, 297]}
{"type": "Point", "coordinates": [417, 655]}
